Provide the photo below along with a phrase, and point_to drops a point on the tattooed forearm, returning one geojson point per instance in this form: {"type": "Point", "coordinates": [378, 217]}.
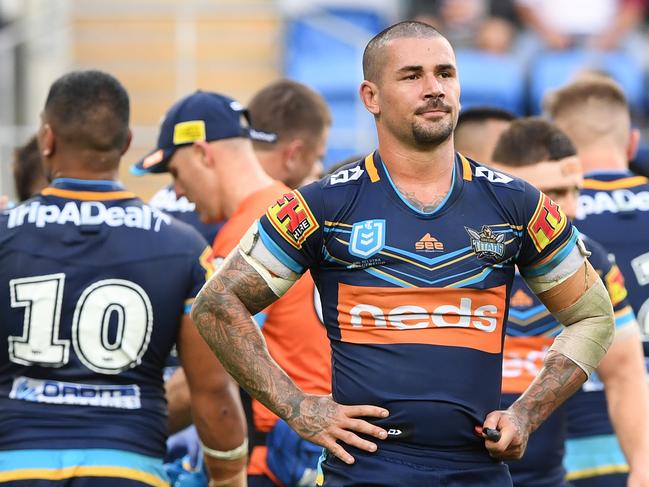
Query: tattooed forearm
{"type": "Point", "coordinates": [557, 381]}
{"type": "Point", "coordinates": [222, 312]}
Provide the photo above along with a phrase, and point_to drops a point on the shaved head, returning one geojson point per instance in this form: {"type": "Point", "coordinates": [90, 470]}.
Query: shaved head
{"type": "Point", "coordinates": [373, 55]}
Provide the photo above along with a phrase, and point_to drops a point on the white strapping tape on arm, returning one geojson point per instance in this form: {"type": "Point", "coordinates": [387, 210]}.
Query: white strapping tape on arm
{"type": "Point", "coordinates": [277, 275]}
{"type": "Point", "coordinates": [589, 328]}
{"type": "Point", "coordinates": [562, 271]}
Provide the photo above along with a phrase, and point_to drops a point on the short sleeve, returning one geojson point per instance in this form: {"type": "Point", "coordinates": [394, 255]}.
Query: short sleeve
{"type": "Point", "coordinates": [548, 235]}
{"type": "Point", "coordinates": [291, 229]}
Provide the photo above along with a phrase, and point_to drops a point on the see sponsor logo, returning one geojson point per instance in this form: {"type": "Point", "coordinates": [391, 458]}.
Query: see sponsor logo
{"type": "Point", "coordinates": [428, 243]}
{"type": "Point", "coordinates": [520, 299]}
{"type": "Point", "coordinates": [469, 318]}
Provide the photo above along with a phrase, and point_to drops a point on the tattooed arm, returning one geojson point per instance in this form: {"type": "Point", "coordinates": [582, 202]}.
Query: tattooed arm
{"type": "Point", "coordinates": [223, 314]}
{"type": "Point", "coordinates": [580, 301]}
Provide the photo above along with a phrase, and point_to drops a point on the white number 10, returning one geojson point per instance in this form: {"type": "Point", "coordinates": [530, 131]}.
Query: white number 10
{"type": "Point", "coordinates": [40, 343]}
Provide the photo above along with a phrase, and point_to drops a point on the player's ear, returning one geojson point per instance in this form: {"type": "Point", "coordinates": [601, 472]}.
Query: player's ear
{"type": "Point", "coordinates": [634, 142]}
{"type": "Point", "coordinates": [203, 154]}
{"type": "Point", "coordinates": [292, 152]}
{"type": "Point", "coordinates": [129, 138]}
{"type": "Point", "coordinates": [46, 140]}
{"type": "Point", "coordinates": [370, 95]}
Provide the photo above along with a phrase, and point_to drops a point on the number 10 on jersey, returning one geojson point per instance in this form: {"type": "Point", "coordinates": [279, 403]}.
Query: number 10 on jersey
{"type": "Point", "coordinates": [40, 343]}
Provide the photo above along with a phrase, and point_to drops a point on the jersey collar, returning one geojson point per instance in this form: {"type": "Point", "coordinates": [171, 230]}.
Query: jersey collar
{"type": "Point", "coordinates": [384, 177]}
{"type": "Point", "coordinates": [83, 189]}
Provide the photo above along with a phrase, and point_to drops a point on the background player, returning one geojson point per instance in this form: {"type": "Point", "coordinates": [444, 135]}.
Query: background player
{"type": "Point", "coordinates": [28, 171]}
{"type": "Point", "coordinates": [478, 130]}
{"type": "Point", "coordinates": [340, 227]}
{"type": "Point", "coordinates": [99, 286]}
{"type": "Point", "coordinates": [295, 121]}
{"type": "Point", "coordinates": [295, 335]}
{"type": "Point", "coordinates": [540, 153]}
{"type": "Point", "coordinates": [594, 113]}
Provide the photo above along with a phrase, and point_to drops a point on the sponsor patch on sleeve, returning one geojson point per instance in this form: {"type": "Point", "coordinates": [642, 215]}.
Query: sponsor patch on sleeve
{"type": "Point", "coordinates": [615, 284]}
{"type": "Point", "coordinates": [292, 218]}
{"type": "Point", "coordinates": [547, 223]}
{"type": "Point", "coordinates": [206, 260]}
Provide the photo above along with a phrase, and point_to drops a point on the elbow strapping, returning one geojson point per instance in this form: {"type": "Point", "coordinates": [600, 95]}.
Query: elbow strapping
{"type": "Point", "coordinates": [590, 328]}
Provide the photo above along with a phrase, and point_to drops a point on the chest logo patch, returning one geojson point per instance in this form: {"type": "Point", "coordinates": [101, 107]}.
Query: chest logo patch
{"type": "Point", "coordinates": [486, 243]}
{"type": "Point", "coordinates": [368, 238]}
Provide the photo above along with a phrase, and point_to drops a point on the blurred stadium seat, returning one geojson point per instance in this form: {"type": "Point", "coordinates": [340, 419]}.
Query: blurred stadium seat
{"type": "Point", "coordinates": [491, 80]}
{"type": "Point", "coordinates": [324, 49]}
{"type": "Point", "coordinates": [550, 70]}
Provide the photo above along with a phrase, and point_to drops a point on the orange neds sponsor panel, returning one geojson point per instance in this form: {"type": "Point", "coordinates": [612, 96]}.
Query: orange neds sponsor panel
{"type": "Point", "coordinates": [522, 361]}
{"type": "Point", "coordinates": [469, 318]}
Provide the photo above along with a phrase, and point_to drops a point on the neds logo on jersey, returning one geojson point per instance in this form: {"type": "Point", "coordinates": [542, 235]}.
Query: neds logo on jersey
{"type": "Point", "coordinates": [522, 361]}
{"type": "Point", "coordinates": [547, 223]}
{"type": "Point", "coordinates": [469, 318]}
{"type": "Point", "coordinates": [292, 218]}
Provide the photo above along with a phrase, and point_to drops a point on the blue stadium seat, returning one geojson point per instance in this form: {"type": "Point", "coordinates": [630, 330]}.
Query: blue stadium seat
{"type": "Point", "coordinates": [550, 70]}
{"type": "Point", "coordinates": [321, 53]}
{"type": "Point", "coordinates": [325, 59]}
{"type": "Point", "coordinates": [491, 80]}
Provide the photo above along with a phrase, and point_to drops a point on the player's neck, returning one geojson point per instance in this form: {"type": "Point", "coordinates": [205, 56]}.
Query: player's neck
{"type": "Point", "coordinates": [89, 165]}
{"type": "Point", "coordinates": [424, 176]}
{"type": "Point", "coordinates": [243, 180]}
{"type": "Point", "coordinates": [270, 162]}
{"type": "Point", "coordinates": [422, 167]}
{"type": "Point", "coordinates": [603, 160]}
{"type": "Point", "coordinates": [82, 173]}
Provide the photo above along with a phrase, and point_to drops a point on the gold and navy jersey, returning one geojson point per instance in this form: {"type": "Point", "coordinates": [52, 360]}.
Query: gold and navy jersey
{"type": "Point", "coordinates": [614, 210]}
{"type": "Point", "coordinates": [94, 286]}
{"type": "Point", "coordinates": [530, 332]}
{"type": "Point", "coordinates": [415, 303]}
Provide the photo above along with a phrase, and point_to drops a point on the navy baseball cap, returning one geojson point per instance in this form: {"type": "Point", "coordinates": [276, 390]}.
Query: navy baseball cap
{"type": "Point", "coordinates": [202, 115]}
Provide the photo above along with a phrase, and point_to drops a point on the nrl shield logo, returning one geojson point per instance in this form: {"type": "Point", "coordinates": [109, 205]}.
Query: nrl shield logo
{"type": "Point", "coordinates": [368, 238]}
{"type": "Point", "coordinates": [487, 243]}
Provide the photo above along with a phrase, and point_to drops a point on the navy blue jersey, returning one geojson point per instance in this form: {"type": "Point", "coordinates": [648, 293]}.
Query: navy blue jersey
{"type": "Point", "coordinates": [184, 210]}
{"type": "Point", "coordinates": [530, 332]}
{"type": "Point", "coordinates": [614, 210]}
{"type": "Point", "coordinates": [415, 303]}
{"type": "Point", "coordinates": [94, 286]}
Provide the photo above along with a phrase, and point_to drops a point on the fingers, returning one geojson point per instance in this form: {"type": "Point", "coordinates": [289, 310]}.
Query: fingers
{"type": "Point", "coordinates": [509, 445]}
{"type": "Point", "coordinates": [360, 411]}
{"type": "Point", "coordinates": [353, 439]}
{"type": "Point", "coordinates": [364, 427]}
{"type": "Point", "coordinates": [338, 451]}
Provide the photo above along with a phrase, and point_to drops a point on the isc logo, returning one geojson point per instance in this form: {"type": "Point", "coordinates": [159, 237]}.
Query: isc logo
{"type": "Point", "coordinates": [468, 318]}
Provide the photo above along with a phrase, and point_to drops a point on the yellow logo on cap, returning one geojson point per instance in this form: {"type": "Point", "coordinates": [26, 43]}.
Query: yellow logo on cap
{"type": "Point", "coordinates": [186, 132]}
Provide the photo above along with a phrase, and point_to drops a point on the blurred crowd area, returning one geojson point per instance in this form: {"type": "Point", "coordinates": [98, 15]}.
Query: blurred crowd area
{"type": "Point", "coordinates": [510, 53]}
